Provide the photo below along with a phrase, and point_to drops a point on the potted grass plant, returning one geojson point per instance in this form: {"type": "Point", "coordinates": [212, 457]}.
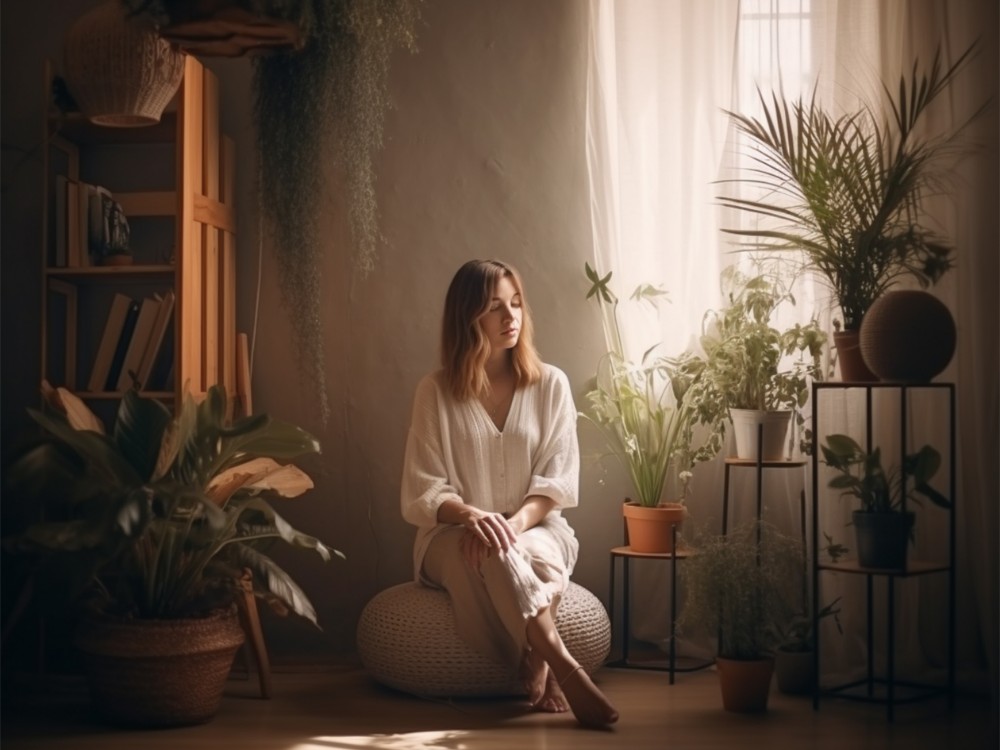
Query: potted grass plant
{"type": "Point", "coordinates": [844, 193]}
{"type": "Point", "coordinates": [743, 586]}
{"type": "Point", "coordinates": [152, 532]}
{"type": "Point", "coordinates": [883, 525]}
{"type": "Point", "coordinates": [647, 423]}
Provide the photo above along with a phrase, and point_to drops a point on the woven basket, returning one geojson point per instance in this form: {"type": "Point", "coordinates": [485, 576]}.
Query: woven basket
{"type": "Point", "coordinates": [158, 673]}
{"type": "Point", "coordinates": [407, 640]}
{"type": "Point", "coordinates": [118, 69]}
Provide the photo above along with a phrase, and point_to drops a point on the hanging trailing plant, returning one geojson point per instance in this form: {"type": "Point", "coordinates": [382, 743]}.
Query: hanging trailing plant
{"type": "Point", "coordinates": [327, 100]}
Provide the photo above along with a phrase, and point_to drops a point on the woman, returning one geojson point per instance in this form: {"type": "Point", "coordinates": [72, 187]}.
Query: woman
{"type": "Point", "coordinates": [491, 459]}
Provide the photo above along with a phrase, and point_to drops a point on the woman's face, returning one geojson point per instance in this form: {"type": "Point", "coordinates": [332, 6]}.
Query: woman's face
{"type": "Point", "coordinates": [501, 323]}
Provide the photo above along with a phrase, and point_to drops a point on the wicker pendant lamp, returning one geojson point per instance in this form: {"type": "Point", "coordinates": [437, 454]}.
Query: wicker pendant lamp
{"type": "Point", "coordinates": [119, 70]}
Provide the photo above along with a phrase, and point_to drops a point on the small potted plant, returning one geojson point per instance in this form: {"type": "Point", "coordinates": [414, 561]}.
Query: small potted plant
{"type": "Point", "coordinates": [642, 413]}
{"type": "Point", "coordinates": [744, 366]}
{"type": "Point", "coordinates": [794, 661]}
{"type": "Point", "coordinates": [151, 535]}
{"type": "Point", "coordinates": [882, 524]}
{"type": "Point", "coordinates": [743, 586]}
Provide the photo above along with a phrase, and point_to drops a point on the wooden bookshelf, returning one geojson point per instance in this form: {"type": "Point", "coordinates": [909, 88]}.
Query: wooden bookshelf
{"type": "Point", "coordinates": [187, 242]}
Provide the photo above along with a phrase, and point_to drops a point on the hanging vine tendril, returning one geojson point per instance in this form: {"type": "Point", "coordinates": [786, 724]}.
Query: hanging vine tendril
{"type": "Point", "coordinates": [326, 101]}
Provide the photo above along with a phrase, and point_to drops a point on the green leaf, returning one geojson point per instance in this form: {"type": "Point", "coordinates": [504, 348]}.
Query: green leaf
{"type": "Point", "coordinates": [138, 431]}
{"type": "Point", "coordinates": [269, 578]}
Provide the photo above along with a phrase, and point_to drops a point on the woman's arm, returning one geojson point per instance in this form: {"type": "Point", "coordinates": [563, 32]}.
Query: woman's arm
{"type": "Point", "coordinates": [425, 484]}
{"type": "Point", "coordinates": [531, 513]}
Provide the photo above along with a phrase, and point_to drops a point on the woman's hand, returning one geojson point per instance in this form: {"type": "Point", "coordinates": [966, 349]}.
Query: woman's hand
{"type": "Point", "coordinates": [485, 533]}
{"type": "Point", "coordinates": [491, 530]}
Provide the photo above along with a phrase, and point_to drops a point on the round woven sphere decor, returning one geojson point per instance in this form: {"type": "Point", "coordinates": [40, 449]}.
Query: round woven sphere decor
{"type": "Point", "coordinates": [118, 69]}
{"type": "Point", "coordinates": [907, 336]}
{"type": "Point", "coordinates": [159, 673]}
{"type": "Point", "coordinates": [407, 640]}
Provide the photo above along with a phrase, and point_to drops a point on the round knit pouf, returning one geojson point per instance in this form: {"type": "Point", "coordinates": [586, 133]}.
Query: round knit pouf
{"type": "Point", "coordinates": [407, 640]}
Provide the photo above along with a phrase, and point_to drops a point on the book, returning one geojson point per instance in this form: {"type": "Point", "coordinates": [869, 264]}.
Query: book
{"type": "Point", "coordinates": [59, 225]}
{"type": "Point", "coordinates": [163, 317]}
{"type": "Point", "coordinates": [122, 346]}
{"type": "Point", "coordinates": [109, 342]}
{"type": "Point", "coordinates": [74, 251]}
{"type": "Point", "coordinates": [162, 376]}
{"type": "Point", "coordinates": [137, 345]}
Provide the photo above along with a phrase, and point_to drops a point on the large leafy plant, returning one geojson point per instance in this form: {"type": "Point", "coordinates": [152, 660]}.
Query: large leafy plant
{"type": "Point", "coordinates": [161, 517]}
{"type": "Point", "coordinates": [846, 190]}
{"type": "Point", "coordinates": [860, 474]}
{"type": "Point", "coordinates": [745, 361]}
{"type": "Point", "coordinates": [640, 409]}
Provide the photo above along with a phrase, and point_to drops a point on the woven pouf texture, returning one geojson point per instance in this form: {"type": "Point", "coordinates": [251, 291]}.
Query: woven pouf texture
{"type": "Point", "coordinates": [407, 640]}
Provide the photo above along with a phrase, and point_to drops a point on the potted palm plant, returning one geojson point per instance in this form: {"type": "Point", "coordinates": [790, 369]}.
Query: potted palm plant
{"type": "Point", "coordinates": [882, 524]}
{"type": "Point", "coordinates": [845, 193]}
{"type": "Point", "coordinates": [744, 365]}
{"type": "Point", "coordinates": [743, 586]}
{"type": "Point", "coordinates": [152, 532]}
{"type": "Point", "coordinates": [643, 414]}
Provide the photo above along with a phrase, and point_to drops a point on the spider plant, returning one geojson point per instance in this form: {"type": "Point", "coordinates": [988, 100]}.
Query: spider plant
{"type": "Point", "coordinates": [640, 408]}
{"type": "Point", "coordinates": [846, 190]}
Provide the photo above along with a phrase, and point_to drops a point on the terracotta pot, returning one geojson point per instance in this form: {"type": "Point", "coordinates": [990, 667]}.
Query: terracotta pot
{"type": "Point", "coordinates": [907, 336]}
{"type": "Point", "coordinates": [159, 673]}
{"type": "Point", "coordinates": [745, 684]}
{"type": "Point", "coordinates": [882, 538]}
{"type": "Point", "coordinates": [795, 671]}
{"type": "Point", "coordinates": [772, 439]}
{"type": "Point", "coordinates": [852, 365]}
{"type": "Point", "coordinates": [650, 528]}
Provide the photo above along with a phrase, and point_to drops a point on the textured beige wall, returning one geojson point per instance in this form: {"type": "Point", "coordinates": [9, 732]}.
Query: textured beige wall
{"type": "Point", "coordinates": [484, 157]}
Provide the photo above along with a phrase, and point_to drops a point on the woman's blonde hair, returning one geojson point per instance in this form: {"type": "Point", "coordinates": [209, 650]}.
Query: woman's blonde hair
{"type": "Point", "coordinates": [464, 348]}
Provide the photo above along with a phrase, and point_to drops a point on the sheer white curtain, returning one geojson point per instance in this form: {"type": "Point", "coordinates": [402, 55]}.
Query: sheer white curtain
{"type": "Point", "coordinates": [661, 74]}
{"type": "Point", "coordinates": [659, 71]}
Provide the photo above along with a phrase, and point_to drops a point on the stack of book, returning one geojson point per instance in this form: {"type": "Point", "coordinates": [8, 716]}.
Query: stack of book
{"type": "Point", "coordinates": [136, 349]}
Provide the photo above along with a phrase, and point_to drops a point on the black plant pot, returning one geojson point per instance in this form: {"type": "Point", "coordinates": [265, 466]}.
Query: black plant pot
{"type": "Point", "coordinates": [882, 538]}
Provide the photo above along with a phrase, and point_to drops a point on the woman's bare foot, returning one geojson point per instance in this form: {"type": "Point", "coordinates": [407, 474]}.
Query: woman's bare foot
{"type": "Point", "coordinates": [589, 704]}
{"type": "Point", "coordinates": [554, 700]}
{"type": "Point", "coordinates": [534, 676]}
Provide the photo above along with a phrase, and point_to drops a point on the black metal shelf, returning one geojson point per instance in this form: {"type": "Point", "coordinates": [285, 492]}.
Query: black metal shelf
{"type": "Point", "coordinates": [888, 689]}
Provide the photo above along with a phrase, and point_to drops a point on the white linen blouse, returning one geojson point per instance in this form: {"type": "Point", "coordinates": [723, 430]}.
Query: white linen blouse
{"type": "Point", "coordinates": [454, 451]}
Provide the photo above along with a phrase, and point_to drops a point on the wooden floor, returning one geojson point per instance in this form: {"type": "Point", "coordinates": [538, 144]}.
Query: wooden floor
{"type": "Point", "coordinates": [342, 709]}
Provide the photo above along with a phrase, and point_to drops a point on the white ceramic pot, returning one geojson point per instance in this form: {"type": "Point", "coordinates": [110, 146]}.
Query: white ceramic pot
{"type": "Point", "coordinates": [747, 424]}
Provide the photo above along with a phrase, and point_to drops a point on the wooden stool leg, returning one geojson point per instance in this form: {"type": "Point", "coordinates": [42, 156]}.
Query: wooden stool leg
{"type": "Point", "coordinates": [251, 626]}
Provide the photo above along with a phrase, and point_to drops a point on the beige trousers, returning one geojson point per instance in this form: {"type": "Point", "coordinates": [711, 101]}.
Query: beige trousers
{"type": "Point", "coordinates": [493, 604]}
